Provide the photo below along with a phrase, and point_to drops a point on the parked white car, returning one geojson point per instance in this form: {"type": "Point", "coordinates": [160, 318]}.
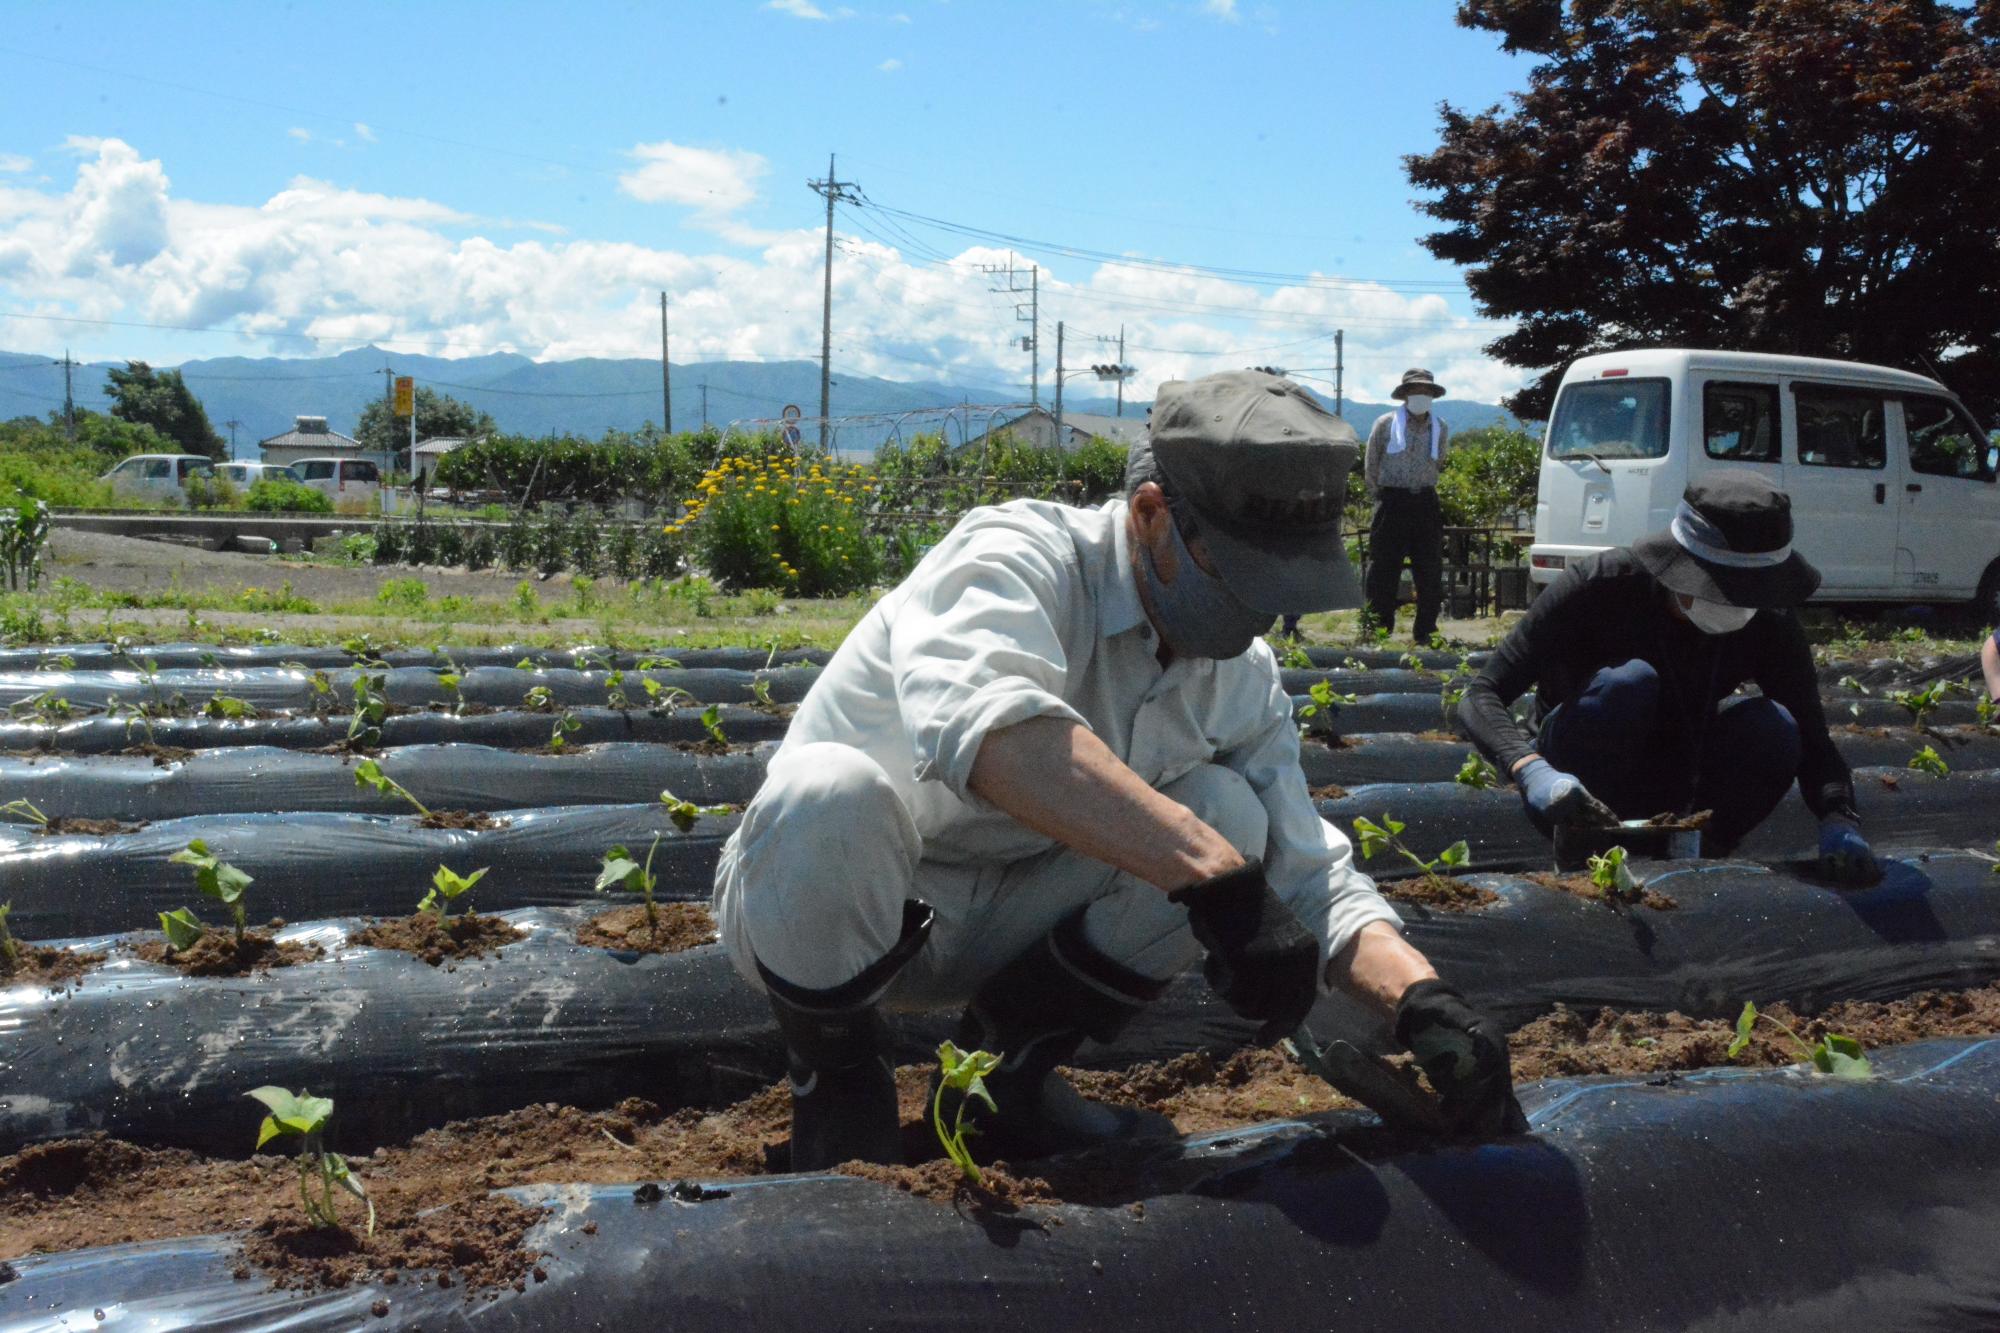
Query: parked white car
{"type": "Point", "coordinates": [1893, 487]}
{"type": "Point", "coordinates": [350, 481]}
{"type": "Point", "coordinates": [156, 476]}
{"type": "Point", "coordinates": [245, 475]}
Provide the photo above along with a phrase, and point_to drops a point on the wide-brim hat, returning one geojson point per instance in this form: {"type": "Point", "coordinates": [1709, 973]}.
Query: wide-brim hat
{"type": "Point", "coordinates": [1261, 467]}
{"type": "Point", "coordinates": [1731, 542]}
{"type": "Point", "coordinates": [1417, 381]}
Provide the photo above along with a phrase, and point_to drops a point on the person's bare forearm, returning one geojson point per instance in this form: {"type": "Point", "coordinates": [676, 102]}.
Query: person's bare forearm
{"type": "Point", "coordinates": [1059, 779]}
{"type": "Point", "coordinates": [1989, 662]}
{"type": "Point", "coordinates": [1378, 965]}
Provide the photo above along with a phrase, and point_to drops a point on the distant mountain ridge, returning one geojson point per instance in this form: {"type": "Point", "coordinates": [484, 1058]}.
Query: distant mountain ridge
{"type": "Point", "coordinates": [582, 397]}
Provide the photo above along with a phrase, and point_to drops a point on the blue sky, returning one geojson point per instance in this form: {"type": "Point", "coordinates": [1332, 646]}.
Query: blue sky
{"type": "Point", "coordinates": [468, 178]}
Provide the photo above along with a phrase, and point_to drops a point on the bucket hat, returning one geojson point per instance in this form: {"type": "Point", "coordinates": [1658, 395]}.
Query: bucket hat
{"type": "Point", "coordinates": [1731, 542]}
{"type": "Point", "coordinates": [1261, 467]}
{"type": "Point", "coordinates": [1417, 381]}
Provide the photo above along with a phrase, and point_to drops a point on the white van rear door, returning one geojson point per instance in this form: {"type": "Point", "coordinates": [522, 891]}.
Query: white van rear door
{"type": "Point", "coordinates": [1608, 441]}
{"type": "Point", "coordinates": [1839, 477]}
{"type": "Point", "coordinates": [1949, 528]}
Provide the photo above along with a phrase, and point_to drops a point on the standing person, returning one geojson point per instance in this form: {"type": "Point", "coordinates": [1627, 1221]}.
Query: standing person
{"type": "Point", "coordinates": [1635, 657]}
{"type": "Point", "coordinates": [1406, 449]}
{"type": "Point", "coordinates": [1054, 768]}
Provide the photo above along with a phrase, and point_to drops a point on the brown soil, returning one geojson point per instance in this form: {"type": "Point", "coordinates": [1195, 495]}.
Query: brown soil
{"type": "Point", "coordinates": [1332, 791]}
{"type": "Point", "coordinates": [1445, 893]}
{"type": "Point", "coordinates": [217, 954]}
{"type": "Point", "coordinates": [163, 756]}
{"type": "Point", "coordinates": [460, 819]}
{"type": "Point", "coordinates": [999, 1188]}
{"type": "Point", "coordinates": [1331, 741]}
{"type": "Point", "coordinates": [1579, 886]}
{"type": "Point", "coordinates": [40, 965]}
{"type": "Point", "coordinates": [467, 935]}
{"type": "Point", "coordinates": [1892, 781]}
{"type": "Point", "coordinates": [474, 1244]}
{"type": "Point", "coordinates": [97, 1191]}
{"type": "Point", "coordinates": [708, 747]}
{"type": "Point", "coordinates": [88, 828]}
{"type": "Point", "coordinates": [681, 926]}
{"type": "Point", "coordinates": [1445, 737]}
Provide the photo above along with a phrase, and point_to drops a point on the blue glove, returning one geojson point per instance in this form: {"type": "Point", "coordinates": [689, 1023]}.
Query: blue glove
{"type": "Point", "coordinates": [1844, 855]}
{"type": "Point", "coordinates": [1560, 797]}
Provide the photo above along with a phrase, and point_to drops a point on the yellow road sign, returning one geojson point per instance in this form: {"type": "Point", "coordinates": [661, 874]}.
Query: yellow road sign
{"type": "Point", "coordinates": [406, 395]}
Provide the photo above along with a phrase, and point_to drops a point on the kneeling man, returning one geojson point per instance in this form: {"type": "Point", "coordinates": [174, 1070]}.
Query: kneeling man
{"type": "Point", "coordinates": [1054, 768]}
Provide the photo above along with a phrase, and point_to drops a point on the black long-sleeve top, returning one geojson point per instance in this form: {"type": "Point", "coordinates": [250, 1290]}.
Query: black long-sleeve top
{"type": "Point", "coordinates": [1607, 611]}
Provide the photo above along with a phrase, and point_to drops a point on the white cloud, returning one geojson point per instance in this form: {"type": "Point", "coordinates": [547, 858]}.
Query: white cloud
{"type": "Point", "coordinates": [354, 267]}
{"type": "Point", "coordinates": [12, 162]}
{"type": "Point", "coordinates": [715, 182]}
{"type": "Point", "coordinates": [1222, 9]}
{"type": "Point", "coordinates": [798, 9]}
{"type": "Point", "coordinates": [890, 66]}
{"type": "Point", "coordinates": [363, 133]}
{"type": "Point", "coordinates": [303, 136]}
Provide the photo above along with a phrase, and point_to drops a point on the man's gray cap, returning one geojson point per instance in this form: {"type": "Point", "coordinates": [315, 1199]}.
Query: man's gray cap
{"type": "Point", "coordinates": [1262, 467]}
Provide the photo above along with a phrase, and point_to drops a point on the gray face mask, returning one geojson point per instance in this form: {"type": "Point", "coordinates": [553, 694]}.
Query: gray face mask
{"type": "Point", "coordinates": [1198, 615]}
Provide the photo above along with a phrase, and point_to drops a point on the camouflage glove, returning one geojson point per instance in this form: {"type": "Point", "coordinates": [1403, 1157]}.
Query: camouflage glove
{"type": "Point", "coordinates": [1464, 1055]}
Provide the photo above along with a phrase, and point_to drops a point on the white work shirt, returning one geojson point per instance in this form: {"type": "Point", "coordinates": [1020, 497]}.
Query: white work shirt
{"type": "Point", "coordinates": [1031, 609]}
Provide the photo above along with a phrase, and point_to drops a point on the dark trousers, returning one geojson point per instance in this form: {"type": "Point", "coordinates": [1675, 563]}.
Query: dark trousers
{"type": "Point", "coordinates": [1613, 736]}
{"type": "Point", "coordinates": [1408, 525]}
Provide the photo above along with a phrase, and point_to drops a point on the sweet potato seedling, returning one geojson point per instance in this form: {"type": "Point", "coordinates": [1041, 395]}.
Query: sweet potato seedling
{"type": "Point", "coordinates": [964, 1072]}
{"type": "Point", "coordinates": [1477, 774]}
{"type": "Point", "coordinates": [1928, 760]}
{"type": "Point", "coordinates": [1612, 873]}
{"type": "Point", "coordinates": [567, 723]}
{"type": "Point", "coordinates": [1316, 714]}
{"type": "Point", "coordinates": [303, 1116]}
{"type": "Point", "coordinates": [1384, 837]}
{"type": "Point", "coordinates": [226, 707]}
{"type": "Point", "coordinates": [685, 813]}
{"type": "Point", "coordinates": [1920, 704]}
{"type": "Point", "coordinates": [760, 692]}
{"type": "Point", "coordinates": [665, 696]}
{"type": "Point", "coordinates": [1296, 657]}
{"type": "Point", "coordinates": [368, 773]}
{"type": "Point", "coordinates": [26, 811]}
{"type": "Point", "coordinates": [371, 709]}
{"type": "Point", "coordinates": [539, 699]}
{"type": "Point", "coordinates": [214, 878]}
{"type": "Point", "coordinates": [182, 928]}
{"type": "Point", "coordinates": [711, 722]}
{"type": "Point", "coordinates": [622, 872]}
{"type": "Point", "coordinates": [446, 886]}
{"type": "Point", "coordinates": [1834, 1054]}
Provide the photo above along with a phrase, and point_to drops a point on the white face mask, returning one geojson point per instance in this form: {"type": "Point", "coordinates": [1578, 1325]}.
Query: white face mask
{"type": "Point", "coordinates": [1717, 617]}
{"type": "Point", "coordinates": [1418, 403]}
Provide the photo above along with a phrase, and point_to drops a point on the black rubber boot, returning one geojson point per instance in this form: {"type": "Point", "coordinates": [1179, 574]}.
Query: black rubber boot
{"type": "Point", "coordinates": [1035, 1012]}
{"type": "Point", "coordinates": [843, 1083]}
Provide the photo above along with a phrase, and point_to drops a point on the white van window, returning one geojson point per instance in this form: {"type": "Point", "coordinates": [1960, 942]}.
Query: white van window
{"type": "Point", "coordinates": [318, 471]}
{"type": "Point", "coordinates": [1739, 422]}
{"type": "Point", "coordinates": [1610, 419]}
{"type": "Point", "coordinates": [1840, 427]}
{"type": "Point", "coordinates": [157, 469]}
{"type": "Point", "coordinates": [1944, 442]}
{"type": "Point", "coordinates": [361, 470]}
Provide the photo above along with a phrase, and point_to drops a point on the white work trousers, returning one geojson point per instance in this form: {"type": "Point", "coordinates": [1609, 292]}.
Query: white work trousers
{"type": "Point", "coordinates": [813, 885]}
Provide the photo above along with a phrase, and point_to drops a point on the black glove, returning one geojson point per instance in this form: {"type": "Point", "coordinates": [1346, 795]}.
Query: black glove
{"type": "Point", "coordinates": [1464, 1055]}
{"type": "Point", "coordinates": [1261, 961]}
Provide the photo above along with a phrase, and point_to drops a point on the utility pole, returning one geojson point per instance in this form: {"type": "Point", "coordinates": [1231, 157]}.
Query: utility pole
{"type": "Point", "coordinates": [704, 403]}
{"type": "Point", "coordinates": [1032, 342]}
{"type": "Point", "coordinates": [1121, 370]}
{"type": "Point", "coordinates": [1339, 369]}
{"type": "Point", "coordinates": [232, 423]}
{"type": "Point", "coordinates": [389, 410]}
{"type": "Point", "coordinates": [666, 383]}
{"type": "Point", "coordinates": [835, 191]}
{"type": "Point", "coordinates": [1059, 380]}
{"type": "Point", "coordinates": [69, 395]}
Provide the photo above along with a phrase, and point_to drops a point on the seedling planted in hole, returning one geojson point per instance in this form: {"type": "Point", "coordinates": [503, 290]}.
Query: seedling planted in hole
{"type": "Point", "coordinates": [1842, 1057]}
{"type": "Point", "coordinates": [1477, 773]}
{"type": "Point", "coordinates": [965, 1073]}
{"type": "Point", "coordinates": [48, 706]}
{"type": "Point", "coordinates": [1928, 760]}
{"type": "Point", "coordinates": [26, 811]}
{"type": "Point", "coordinates": [1612, 873]}
{"type": "Point", "coordinates": [567, 723]}
{"type": "Point", "coordinates": [665, 696]}
{"type": "Point", "coordinates": [1321, 699]}
{"type": "Point", "coordinates": [622, 872]}
{"type": "Point", "coordinates": [1384, 837]}
{"type": "Point", "coordinates": [1920, 704]}
{"type": "Point", "coordinates": [215, 878]}
{"type": "Point", "coordinates": [226, 706]}
{"type": "Point", "coordinates": [685, 813]}
{"type": "Point", "coordinates": [539, 699]}
{"type": "Point", "coordinates": [446, 885]}
{"type": "Point", "coordinates": [368, 773]}
{"type": "Point", "coordinates": [760, 691]}
{"type": "Point", "coordinates": [303, 1116]}
{"type": "Point", "coordinates": [711, 722]}
{"type": "Point", "coordinates": [371, 709]}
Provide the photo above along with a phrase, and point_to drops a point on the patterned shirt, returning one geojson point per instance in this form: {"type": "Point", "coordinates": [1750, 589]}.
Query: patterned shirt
{"type": "Point", "coordinates": [1413, 469]}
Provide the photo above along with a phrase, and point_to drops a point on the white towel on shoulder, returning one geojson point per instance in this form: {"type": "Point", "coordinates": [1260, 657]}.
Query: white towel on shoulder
{"type": "Point", "coordinates": [1399, 431]}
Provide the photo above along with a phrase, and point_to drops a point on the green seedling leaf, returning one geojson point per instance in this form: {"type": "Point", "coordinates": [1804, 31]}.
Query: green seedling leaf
{"type": "Point", "coordinates": [539, 698]}
{"type": "Point", "coordinates": [1928, 760]}
{"type": "Point", "coordinates": [1477, 774]}
{"type": "Point", "coordinates": [685, 813]}
{"type": "Point", "coordinates": [182, 928]}
{"type": "Point", "coordinates": [1744, 1022]}
{"type": "Point", "coordinates": [26, 810]}
{"type": "Point", "coordinates": [368, 773]}
{"type": "Point", "coordinates": [215, 877]}
{"type": "Point", "coordinates": [1456, 855]}
{"type": "Point", "coordinates": [291, 1113]}
{"type": "Point", "coordinates": [446, 885]}
{"type": "Point", "coordinates": [711, 722]}
{"type": "Point", "coordinates": [1612, 872]}
{"type": "Point", "coordinates": [226, 707]}
{"type": "Point", "coordinates": [620, 871]}
{"type": "Point", "coordinates": [1841, 1057]}
{"type": "Point", "coordinates": [10, 953]}
{"type": "Point", "coordinates": [965, 1073]}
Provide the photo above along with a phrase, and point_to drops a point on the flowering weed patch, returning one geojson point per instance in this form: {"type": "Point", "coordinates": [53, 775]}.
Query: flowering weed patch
{"type": "Point", "coordinates": [782, 522]}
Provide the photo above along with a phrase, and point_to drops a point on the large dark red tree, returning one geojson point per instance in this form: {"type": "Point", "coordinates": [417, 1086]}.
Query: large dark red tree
{"type": "Point", "coordinates": [1808, 176]}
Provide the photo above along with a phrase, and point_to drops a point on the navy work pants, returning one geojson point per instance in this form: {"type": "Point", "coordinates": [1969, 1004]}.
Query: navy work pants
{"type": "Point", "coordinates": [1408, 525]}
{"type": "Point", "coordinates": [1614, 738]}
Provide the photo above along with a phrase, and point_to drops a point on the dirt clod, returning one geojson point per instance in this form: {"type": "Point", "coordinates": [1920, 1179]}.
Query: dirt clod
{"type": "Point", "coordinates": [467, 935]}
{"type": "Point", "coordinates": [474, 820]}
{"type": "Point", "coordinates": [41, 965]}
{"type": "Point", "coordinates": [681, 926]}
{"type": "Point", "coordinates": [1331, 791]}
{"type": "Point", "coordinates": [1444, 893]}
{"type": "Point", "coordinates": [998, 1188]}
{"type": "Point", "coordinates": [470, 1243]}
{"type": "Point", "coordinates": [1579, 886]}
{"type": "Point", "coordinates": [88, 828]}
{"type": "Point", "coordinates": [218, 953]}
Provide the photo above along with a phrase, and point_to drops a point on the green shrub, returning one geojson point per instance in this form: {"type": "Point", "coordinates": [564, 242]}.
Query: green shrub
{"type": "Point", "coordinates": [275, 495]}
{"type": "Point", "coordinates": [211, 492]}
{"type": "Point", "coordinates": [782, 522]}
{"type": "Point", "coordinates": [1489, 477]}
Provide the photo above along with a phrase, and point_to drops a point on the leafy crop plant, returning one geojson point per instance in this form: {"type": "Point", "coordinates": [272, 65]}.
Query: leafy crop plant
{"type": "Point", "coordinates": [622, 872]}
{"type": "Point", "coordinates": [304, 1117]}
{"type": "Point", "coordinates": [1834, 1054]}
{"type": "Point", "coordinates": [216, 879]}
{"type": "Point", "coordinates": [1384, 837]}
{"type": "Point", "coordinates": [685, 813]}
{"type": "Point", "coordinates": [368, 773]}
{"type": "Point", "coordinates": [446, 886]}
{"type": "Point", "coordinates": [1612, 873]}
{"type": "Point", "coordinates": [1477, 774]}
{"type": "Point", "coordinates": [963, 1072]}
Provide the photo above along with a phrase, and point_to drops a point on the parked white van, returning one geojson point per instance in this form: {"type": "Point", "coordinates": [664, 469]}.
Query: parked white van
{"type": "Point", "coordinates": [350, 481]}
{"type": "Point", "coordinates": [156, 476]}
{"type": "Point", "coordinates": [1892, 481]}
{"type": "Point", "coordinates": [244, 475]}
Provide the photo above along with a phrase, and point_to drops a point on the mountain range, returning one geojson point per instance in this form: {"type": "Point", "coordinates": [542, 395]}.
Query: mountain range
{"type": "Point", "coordinates": [583, 397]}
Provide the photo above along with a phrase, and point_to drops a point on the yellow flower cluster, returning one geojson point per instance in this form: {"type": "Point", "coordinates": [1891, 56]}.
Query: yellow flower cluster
{"type": "Point", "coordinates": [743, 514]}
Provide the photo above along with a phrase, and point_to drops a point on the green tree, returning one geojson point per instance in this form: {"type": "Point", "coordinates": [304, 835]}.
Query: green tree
{"type": "Point", "coordinates": [161, 399]}
{"type": "Point", "coordinates": [1804, 176]}
{"type": "Point", "coordinates": [1490, 476]}
{"type": "Point", "coordinates": [437, 415]}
